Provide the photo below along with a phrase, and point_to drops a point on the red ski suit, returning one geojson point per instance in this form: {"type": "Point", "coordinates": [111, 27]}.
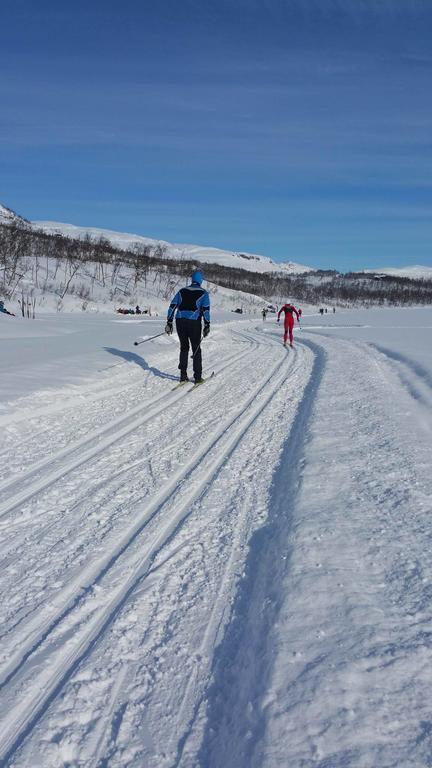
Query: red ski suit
{"type": "Point", "coordinates": [290, 311]}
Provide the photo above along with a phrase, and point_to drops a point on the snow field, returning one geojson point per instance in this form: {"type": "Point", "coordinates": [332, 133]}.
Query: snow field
{"type": "Point", "coordinates": [351, 680]}
{"type": "Point", "coordinates": [102, 559]}
{"type": "Point", "coordinates": [236, 576]}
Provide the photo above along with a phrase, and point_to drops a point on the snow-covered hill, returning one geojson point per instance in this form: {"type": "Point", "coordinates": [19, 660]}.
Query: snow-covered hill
{"type": "Point", "coordinates": [60, 287]}
{"type": "Point", "coordinates": [416, 272]}
{"type": "Point", "coordinates": [199, 253]}
{"type": "Point", "coordinates": [7, 216]}
{"type": "Point", "coordinates": [126, 241]}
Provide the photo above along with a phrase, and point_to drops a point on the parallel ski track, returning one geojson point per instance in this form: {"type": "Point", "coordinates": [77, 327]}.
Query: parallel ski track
{"type": "Point", "coordinates": [90, 392]}
{"type": "Point", "coordinates": [45, 529]}
{"type": "Point", "coordinates": [60, 662]}
{"type": "Point", "coordinates": [18, 533]}
{"type": "Point", "coordinates": [213, 623]}
{"type": "Point", "coordinates": [75, 400]}
{"type": "Point", "coordinates": [17, 536]}
{"type": "Point", "coordinates": [83, 450]}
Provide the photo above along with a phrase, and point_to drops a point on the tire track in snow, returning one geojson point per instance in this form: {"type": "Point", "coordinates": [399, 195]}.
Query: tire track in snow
{"type": "Point", "coordinates": [60, 665]}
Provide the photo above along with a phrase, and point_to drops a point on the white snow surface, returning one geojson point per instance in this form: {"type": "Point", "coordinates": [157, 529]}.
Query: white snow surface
{"type": "Point", "coordinates": [199, 253]}
{"type": "Point", "coordinates": [233, 576]}
{"type": "Point", "coordinates": [7, 216]}
{"type": "Point", "coordinates": [415, 272]}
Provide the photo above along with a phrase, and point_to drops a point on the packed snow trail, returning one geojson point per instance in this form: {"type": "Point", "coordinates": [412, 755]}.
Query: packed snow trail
{"type": "Point", "coordinates": [341, 675]}
{"type": "Point", "coordinates": [85, 449]}
{"type": "Point", "coordinates": [79, 600]}
{"type": "Point", "coordinates": [243, 579]}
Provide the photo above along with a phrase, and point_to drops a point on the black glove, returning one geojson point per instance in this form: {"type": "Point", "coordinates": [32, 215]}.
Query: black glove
{"type": "Point", "coordinates": [206, 330]}
{"type": "Point", "coordinates": [169, 327]}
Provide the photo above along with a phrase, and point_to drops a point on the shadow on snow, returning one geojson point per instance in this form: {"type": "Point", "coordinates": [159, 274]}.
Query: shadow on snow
{"type": "Point", "coordinates": [132, 357]}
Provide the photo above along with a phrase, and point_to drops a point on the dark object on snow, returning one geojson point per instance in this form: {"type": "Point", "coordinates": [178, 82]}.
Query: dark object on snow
{"type": "Point", "coordinates": [4, 310]}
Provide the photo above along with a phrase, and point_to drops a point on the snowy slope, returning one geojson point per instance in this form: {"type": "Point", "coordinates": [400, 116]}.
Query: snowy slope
{"type": "Point", "coordinates": [91, 292]}
{"type": "Point", "coordinates": [203, 254]}
{"type": "Point", "coordinates": [7, 216]}
{"type": "Point", "coordinates": [236, 576]}
{"type": "Point", "coordinates": [415, 272]}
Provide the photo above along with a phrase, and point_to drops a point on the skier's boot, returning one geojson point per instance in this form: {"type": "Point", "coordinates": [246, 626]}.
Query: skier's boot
{"type": "Point", "coordinates": [183, 376]}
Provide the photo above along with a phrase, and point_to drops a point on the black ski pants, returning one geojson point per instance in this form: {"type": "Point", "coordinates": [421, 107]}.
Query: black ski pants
{"type": "Point", "coordinates": [189, 331]}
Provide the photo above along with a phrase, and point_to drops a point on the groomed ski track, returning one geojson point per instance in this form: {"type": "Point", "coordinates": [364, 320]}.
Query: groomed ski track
{"type": "Point", "coordinates": [189, 576]}
{"type": "Point", "coordinates": [86, 567]}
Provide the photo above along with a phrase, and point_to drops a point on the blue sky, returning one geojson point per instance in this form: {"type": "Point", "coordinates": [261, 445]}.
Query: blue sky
{"type": "Point", "coordinates": [300, 129]}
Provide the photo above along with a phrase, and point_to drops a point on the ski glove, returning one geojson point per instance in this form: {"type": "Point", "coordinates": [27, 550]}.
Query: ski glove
{"type": "Point", "coordinates": [169, 327]}
{"type": "Point", "coordinates": [206, 330]}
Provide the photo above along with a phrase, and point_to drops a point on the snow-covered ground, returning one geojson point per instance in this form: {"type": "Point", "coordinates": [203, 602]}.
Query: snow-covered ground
{"type": "Point", "coordinates": [235, 576]}
{"type": "Point", "coordinates": [415, 272]}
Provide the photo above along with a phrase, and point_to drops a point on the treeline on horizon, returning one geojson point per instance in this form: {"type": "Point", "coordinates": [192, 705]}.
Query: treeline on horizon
{"type": "Point", "coordinates": [320, 287]}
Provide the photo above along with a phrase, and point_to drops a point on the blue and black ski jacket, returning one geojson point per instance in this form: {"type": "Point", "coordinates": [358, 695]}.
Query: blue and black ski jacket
{"type": "Point", "coordinates": [191, 303]}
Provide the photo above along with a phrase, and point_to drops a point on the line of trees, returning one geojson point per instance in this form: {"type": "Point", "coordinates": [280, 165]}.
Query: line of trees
{"type": "Point", "coordinates": [19, 246]}
{"type": "Point", "coordinates": [324, 287]}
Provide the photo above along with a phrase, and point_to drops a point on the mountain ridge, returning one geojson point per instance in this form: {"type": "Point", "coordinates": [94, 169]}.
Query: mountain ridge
{"type": "Point", "coordinates": [187, 251]}
{"type": "Point", "coordinates": [210, 254]}
{"type": "Point", "coordinates": [8, 216]}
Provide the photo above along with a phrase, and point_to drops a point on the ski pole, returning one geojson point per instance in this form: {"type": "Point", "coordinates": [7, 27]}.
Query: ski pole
{"type": "Point", "coordinates": [198, 347]}
{"type": "Point", "coordinates": [149, 339]}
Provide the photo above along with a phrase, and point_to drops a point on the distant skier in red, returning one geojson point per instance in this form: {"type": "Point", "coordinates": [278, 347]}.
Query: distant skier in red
{"type": "Point", "coordinates": [289, 311]}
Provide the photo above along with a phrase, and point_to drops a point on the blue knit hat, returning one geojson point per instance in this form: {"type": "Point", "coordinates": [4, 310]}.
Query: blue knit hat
{"type": "Point", "coordinates": [197, 276]}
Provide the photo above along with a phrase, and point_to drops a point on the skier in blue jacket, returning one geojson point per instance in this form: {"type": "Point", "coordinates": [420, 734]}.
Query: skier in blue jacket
{"type": "Point", "coordinates": [190, 306]}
